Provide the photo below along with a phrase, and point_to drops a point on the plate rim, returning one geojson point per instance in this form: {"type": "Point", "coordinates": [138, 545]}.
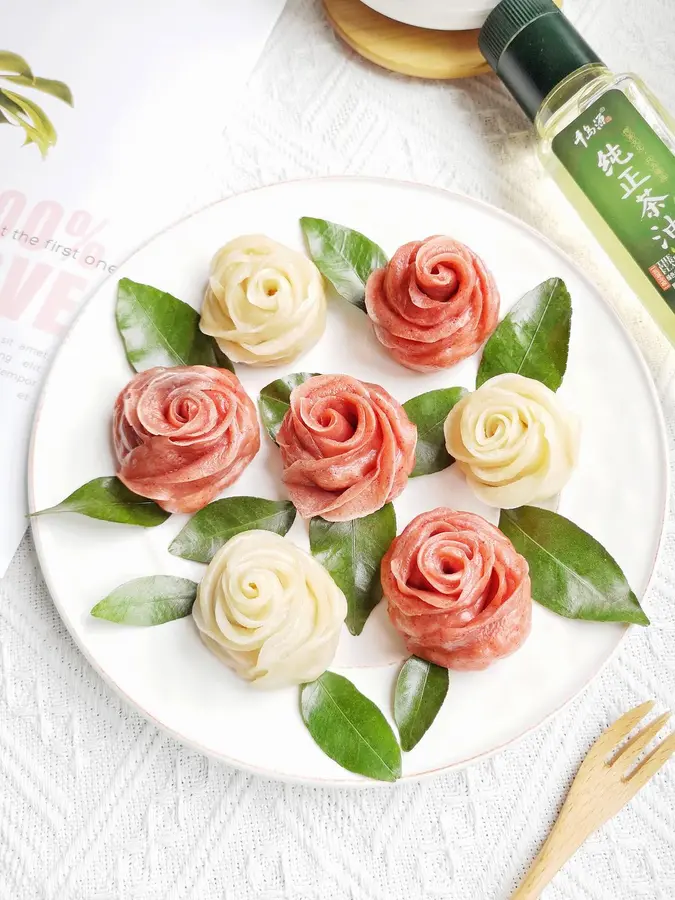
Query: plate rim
{"type": "Point", "coordinates": [355, 781]}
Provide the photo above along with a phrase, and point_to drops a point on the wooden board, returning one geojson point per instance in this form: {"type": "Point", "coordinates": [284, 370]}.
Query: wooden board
{"type": "Point", "coordinates": [421, 52]}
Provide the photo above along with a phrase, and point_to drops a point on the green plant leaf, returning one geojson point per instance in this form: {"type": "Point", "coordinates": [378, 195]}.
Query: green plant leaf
{"type": "Point", "coordinates": [421, 688]}
{"type": "Point", "coordinates": [214, 525]}
{"type": "Point", "coordinates": [343, 256]}
{"type": "Point", "coordinates": [533, 339]}
{"type": "Point", "coordinates": [108, 499]}
{"type": "Point", "coordinates": [12, 108]}
{"type": "Point", "coordinates": [57, 89]}
{"type": "Point", "coordinates": [572, 574]}
{"type": "Point", "coordinates": [160, 330]}
{"type": "Point", "coordinates": [36, 115]}
{"type": "Point", "coordinates": [275, 400]}
{"type": "Point", "coordinates": [153, 600]}
{"type": "Point", "coordinates": [12, 62]}
{"type": "Point", "coordinates": [14, 115]}
{"type": "Point", "coordinates": [350, 728]}
{"type": "Point", "coordinates": [352, 553]}
{"type": "Point", "coordinates": [429, 412]}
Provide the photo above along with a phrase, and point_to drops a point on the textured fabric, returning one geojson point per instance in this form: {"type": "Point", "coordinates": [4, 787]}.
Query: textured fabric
{"type": "Point", "coordinates": [96, 804]}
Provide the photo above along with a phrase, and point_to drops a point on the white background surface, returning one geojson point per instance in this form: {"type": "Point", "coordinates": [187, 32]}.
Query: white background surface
{"type": "Point", "coordinates": [96, 804]}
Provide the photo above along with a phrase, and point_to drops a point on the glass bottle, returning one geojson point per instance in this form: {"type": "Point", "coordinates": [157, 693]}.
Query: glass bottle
{"type": "Point", "coordinates": [604, 137]}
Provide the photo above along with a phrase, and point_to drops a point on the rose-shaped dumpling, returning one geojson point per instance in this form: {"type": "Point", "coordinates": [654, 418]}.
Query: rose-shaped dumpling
{"type": "Point", "coordinates": [457, 590]}
{"type": "Point", "coordinates": [347, 447]}
{"type": "Point", "coordinates": [183, 434]}
{"type": "Point", "coordinates": [269, 610]}
{"type": "Point", "coordinates": [514, 440]}
{"type": "Point", "coordinates": [434, 304]}
{"type": "Point", "coordinates": [265, 303]}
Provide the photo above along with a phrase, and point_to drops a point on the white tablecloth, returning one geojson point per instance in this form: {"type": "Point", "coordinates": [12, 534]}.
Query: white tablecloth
{"type": "Point", "coordinates": [97, 804]}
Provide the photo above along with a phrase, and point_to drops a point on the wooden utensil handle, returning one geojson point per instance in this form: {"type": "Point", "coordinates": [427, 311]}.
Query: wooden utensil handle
{"type": "Point", "coordinates": [557, 849]}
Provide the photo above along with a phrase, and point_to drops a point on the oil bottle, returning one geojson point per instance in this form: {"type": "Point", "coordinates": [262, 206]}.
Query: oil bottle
{"type": "Point", "coordinates": [604, 137]}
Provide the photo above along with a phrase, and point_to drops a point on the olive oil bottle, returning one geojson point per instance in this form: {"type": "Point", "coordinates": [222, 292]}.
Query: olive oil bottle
{"type": "Point", "coordinates": [604, 137]}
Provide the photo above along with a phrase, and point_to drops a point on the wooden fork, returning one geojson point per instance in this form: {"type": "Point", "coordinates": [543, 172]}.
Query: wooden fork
{"type": "Point", "coordinates": [605, 783]}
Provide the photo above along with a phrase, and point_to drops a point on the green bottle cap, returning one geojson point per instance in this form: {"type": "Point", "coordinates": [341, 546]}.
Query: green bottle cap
{"type": "Point", "coordinates": [532, 46]}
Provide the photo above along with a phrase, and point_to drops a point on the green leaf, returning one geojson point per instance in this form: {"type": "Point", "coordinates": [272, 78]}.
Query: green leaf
{"type": "Point", "coordinates": [153, 600]}
{"type": "Point", "coordinates": [15, 115]}
{"type": "Point", "coordinates": [12, 62]}
{"type": "Point", "coordinates": [350, 728]}
{"type": "Point", "coordinates": [429, 412]}
{"type": "Point", "coordinates": [160, 330]}
{"type": "Point", "coordinates": [352, 553]}
{"type": "Point", "coordinates": [572, 574]}
{"type": "Point", "coordinates": [275, 400]}
{"type": "Point", "coordinates": [345, 257]}
{"type": "Point", "coordinates": [421, 689]}
{"type": "Point", "coordinates": [57, 89]}
{"type": "Point", "coordinates": [36, 115]}
{"type": "Point", "coordinates": [108, 499]}
{"type": "Point", "coordinates": [214, 525]}
{"type": "Point", "coordinates": [533, 339]}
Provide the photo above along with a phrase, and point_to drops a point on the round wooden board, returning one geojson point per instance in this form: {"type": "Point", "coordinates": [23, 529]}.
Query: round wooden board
{"type": "Point", "coordinates": [421, 52]}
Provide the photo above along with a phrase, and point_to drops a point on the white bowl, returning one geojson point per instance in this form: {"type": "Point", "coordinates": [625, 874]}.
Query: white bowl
{"type": "Point", "coordinates": [445, 15]}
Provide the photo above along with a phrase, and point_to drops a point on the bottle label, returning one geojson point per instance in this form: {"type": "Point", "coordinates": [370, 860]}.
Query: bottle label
{"type": "Point", "coordinates": [628, 174]}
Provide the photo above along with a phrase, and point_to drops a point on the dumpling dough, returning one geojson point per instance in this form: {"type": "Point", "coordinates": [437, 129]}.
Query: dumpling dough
{"type": "Point", "coordinates": [433, 304]}
{"type": "Point", "coordinates": [183, 434]}
{"type": "Point", "coordinates": [265, 303]}
{"type": "Point", "coordinates": [514, 440]}
{"type": "Point", "coordinates": [269, 610]}
{"type": "Point", "coordinates": [457, 590]}
{"type": "Point", "coordinates": [348, 448]}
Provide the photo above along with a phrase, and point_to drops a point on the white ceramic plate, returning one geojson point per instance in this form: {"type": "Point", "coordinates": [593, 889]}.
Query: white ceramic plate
{"type": "Point", "coordinates": [444, 15]}
{"type": "Point", "coordinates": [618, 492]}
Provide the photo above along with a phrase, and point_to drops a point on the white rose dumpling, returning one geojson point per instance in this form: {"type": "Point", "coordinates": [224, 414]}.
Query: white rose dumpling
{"type": "Point", "coordinates": [265, 303]}
{"type": "Point", "coordinates": [269, 610]}
{"type": "Point", "coordinates": [514, 440]}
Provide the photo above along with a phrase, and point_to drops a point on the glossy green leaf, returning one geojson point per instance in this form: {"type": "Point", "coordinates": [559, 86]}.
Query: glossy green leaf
{"type": "Point", "coordinates": [533, 339]}
{"type": "Point", "coordinates": [421, 688]}
{"type": "Point", "coordinates": [429, 412]}
{"type": "Point", "coordinates": [153, 600]}
{"type": "Point", "coordinates": [572, 574]}
{"type": "Point", "coordinates": [108, 499]}
{"type": "Point", "coordinates": [160, 330]}
{"type": "Point", "coordinates": [57, 89]}
{"type": "Point", "coordinates": [352, 553]}
{"type": "Point", "coordinates": [275, 399]}
{"type": "Point", "coordinates": [344, 256]}
{"type": "Point", "coordinates": [13, 63]}
{"type": "Point", "coordinates": [350, 728]}
{"type": "Point", "coordinates": [214, 525]}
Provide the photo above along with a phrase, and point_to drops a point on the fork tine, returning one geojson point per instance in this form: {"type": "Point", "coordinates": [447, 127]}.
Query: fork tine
{"type": "Point", "coordinates": [651, 765]}
{"type": "Point", "coordinates": [621, 728]}
{"type": "Point", "coordinates": [628, 755]}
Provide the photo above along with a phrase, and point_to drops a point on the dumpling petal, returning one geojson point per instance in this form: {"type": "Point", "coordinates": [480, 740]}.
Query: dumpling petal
{"type": "Point", "coordinates": [457, 590]}
{"type": "Point", "coordinates": [265, 303]}
{"type": "Point", "coordinates": [347, 446]}
{"type": "Point", "coordinates": [269, 610]}
{"type": "Point", "coordinates": [182, 435]}
{"type": "Point", "coordinates": [514, 440]}
{"type": "Point", "coordinates": [434, 304]}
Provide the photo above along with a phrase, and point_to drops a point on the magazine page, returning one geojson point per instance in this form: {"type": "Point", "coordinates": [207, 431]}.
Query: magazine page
{"type": "Point", "coordinates": [102, 122]}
